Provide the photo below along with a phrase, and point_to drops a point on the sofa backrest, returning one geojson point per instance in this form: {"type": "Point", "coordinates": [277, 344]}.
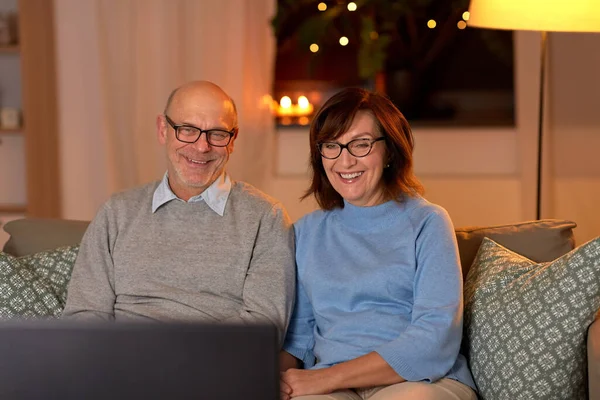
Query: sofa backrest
{"type": "Point", "coordinates": [32, 235]}
{"type": "Point", "coordinates": [540, 241]}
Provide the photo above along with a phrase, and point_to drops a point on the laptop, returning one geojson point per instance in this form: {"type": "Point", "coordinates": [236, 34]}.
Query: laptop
{"type": "Point", "coordinates": [67, 360]}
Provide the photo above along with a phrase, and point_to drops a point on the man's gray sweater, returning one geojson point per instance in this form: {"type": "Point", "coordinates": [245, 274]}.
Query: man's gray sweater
{"type": "Point", "coordinates": [185, 262]}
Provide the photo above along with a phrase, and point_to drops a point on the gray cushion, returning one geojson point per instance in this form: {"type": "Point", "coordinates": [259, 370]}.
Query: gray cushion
{"type": "Point", "coordinates": [32, 235]}
{"type": "Point", "coordinates": [543, 240]}
{"type": "Point", "coordinates": [526, 322]}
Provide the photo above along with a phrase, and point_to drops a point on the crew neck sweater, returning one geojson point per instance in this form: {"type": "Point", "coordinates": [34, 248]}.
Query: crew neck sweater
{"type": "Point", "coordinates": [185, 262]}
{"type": "Point", "coordinates": [382, 279]}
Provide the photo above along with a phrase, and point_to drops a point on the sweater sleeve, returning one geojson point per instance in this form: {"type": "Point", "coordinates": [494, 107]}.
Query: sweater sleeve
{"type": "Point", "coordinates": [269, 286]}
{"type": "Point", "coordinates": [299, 340]}
{"type": "Point", "coordinates": [91, 292]}
{"type": "Point", "coordinates": [429, 347]}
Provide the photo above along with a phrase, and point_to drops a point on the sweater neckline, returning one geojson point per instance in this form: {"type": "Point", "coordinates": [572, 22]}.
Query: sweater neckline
{"type": "Point", "coordinates": [362, 218]}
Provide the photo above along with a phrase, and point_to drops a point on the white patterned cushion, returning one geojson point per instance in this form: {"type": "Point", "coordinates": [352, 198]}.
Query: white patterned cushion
{"type": "Point", "coordinates": [55, 266]}
{"type": "Point", "coordinates": [526, 322]}
{"type": "Point", "coordinates": [35, 286]}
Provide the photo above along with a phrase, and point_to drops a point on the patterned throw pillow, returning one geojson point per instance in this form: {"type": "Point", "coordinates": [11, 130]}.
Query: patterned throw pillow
{"type": "Point", "coordinates": [55, 266]}
{"type": "Point", "coordinates": [526, 323]}
{"type": "Point", "coordinates": [35, 286]}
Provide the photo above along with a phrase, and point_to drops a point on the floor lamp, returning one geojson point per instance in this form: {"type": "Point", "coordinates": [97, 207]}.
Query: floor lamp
{"type": "Point", "coordinates": [537, 15]}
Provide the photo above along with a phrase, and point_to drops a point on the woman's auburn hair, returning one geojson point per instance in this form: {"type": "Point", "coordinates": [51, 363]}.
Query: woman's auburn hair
{"type": "Point", "coordinates": [335, 118]}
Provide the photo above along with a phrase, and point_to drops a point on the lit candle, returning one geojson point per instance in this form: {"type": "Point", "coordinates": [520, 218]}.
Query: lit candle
{"type": "Point", "coordinates": [304, 106]}
{"type": "Point", "coordinates": [285, 106]}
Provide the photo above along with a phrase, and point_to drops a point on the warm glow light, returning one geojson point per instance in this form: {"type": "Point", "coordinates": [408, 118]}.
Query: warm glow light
{"type": "Point", "coordinates": [538, 15]}
{"type": "Point", "coordinates": [314, 47]}
{"type": "Point", "coordinates": [303, 102]}
{"type": "Point", "coordinates": [322, 6]}
{"type": "Point", "coordinates": [303, 121]}
{"type": "Point", "coordinates": [431, 24]}
{"type": "Point", "coordinates": [461, 24]}
{"type": "Point", "coordinates": [466, 15]}
{"type": "Point", "coordinates": [286, 108]}
{"type": "Point", "coordinates": [267, 101]}
{"type": "Point", "coordinates": [351, 6]}
{"type": "Point", "coordinates": [374, 35]}
{"type": "Point", "coordinates": [285, 102]}
{"type": "Point", "coordinates": [344, 40]}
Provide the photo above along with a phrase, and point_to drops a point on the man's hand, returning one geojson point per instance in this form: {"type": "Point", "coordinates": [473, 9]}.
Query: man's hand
{"type": "Point", "coordinates": [301, 382]}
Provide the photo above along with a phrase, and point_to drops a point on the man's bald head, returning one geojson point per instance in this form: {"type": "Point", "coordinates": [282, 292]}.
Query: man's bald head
{"type": "Point", "coordinates": [194, 166]}
{"type": "Point", "coordinates": [205, 93]}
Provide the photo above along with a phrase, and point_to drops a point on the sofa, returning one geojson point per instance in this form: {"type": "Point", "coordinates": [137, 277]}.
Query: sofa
{"type": "Point", "coordinates": [509, 270]}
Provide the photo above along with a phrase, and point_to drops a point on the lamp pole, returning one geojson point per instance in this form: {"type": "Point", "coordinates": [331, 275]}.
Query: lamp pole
{"type": "Point", "coordinates": [538, 211]}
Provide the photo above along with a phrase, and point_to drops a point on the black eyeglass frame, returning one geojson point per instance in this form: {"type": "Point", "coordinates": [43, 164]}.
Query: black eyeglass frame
{"type": "Point", "coordinates": [347, 147]}
{"type": "Point", "coordinates": [176, 129]}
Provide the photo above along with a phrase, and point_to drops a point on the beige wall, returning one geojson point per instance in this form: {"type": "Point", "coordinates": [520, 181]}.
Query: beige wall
{"type": "Point", "coordinates": [574, 115]}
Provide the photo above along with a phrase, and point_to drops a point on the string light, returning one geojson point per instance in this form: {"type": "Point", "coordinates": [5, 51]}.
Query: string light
{"type": "Point", "coordinates": [431, 24]}
{"type": "Point", "coordinates": [352, 6]}
{"type": "Point", "coordinates": [466, 15]}
{"type": "Point", "coordinates": [344, 40]}
{"type": "Point", "coordinates": [314, 47]}
{"type": "Point", "coordinates": [461, 24]}
{"type": "Point", "coordinates": [322, 6]}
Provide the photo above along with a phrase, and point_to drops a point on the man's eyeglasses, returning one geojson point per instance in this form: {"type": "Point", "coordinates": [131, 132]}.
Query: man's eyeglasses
{"type": "Point", "coordinates": [190, 134]}
{"type": "Point", "coordinates": [356, 147]}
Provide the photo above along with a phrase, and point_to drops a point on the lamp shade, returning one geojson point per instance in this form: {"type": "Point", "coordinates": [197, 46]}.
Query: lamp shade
{"type": "Point", "coordinates": [538, 15]}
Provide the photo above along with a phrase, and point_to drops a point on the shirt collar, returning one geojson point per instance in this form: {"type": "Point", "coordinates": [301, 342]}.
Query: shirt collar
{"type": "Point", "coordinates": [215, 195]}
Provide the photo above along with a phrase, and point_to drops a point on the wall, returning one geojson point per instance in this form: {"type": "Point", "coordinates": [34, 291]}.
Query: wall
{"type": "Point", "coordinates": [574, 114]}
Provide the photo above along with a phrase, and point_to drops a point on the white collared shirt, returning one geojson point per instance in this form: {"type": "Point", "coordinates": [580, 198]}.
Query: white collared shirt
{"type": "Point", "coordinates": [215, 195]}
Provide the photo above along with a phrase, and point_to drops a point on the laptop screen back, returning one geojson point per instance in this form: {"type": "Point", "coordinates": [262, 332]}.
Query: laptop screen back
{"type": "Point", "coordinates": [138, 361]}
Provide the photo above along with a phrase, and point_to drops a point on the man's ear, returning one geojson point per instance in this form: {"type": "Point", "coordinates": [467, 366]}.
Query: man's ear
{"type": "Point", "coordinates": [231, 144]}
{"type": "Point", "coordinates": [161, 129]}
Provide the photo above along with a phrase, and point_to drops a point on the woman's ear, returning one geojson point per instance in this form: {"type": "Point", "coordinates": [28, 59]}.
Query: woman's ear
{"type": "Point", "coordinates": [389, 159]}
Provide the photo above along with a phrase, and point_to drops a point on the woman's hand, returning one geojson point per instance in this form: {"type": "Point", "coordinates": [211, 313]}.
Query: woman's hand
{"type": "Point", "coordinates": [301, 382]}
{"type": "Point", "coordinates": [285, 391]}
{"type": "Point", "coordinates": [368, 370]}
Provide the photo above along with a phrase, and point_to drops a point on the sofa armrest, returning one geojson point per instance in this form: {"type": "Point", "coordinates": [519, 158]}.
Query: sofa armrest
{"type": "Point", "coordinates": [593, 353]}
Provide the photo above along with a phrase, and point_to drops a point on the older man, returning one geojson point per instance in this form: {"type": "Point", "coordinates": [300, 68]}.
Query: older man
{"type": "Point", "coordinates": [195, 246]}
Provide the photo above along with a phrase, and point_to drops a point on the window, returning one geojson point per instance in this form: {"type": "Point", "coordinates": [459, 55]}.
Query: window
{"type": "Point", "coordinates": [420, 53]}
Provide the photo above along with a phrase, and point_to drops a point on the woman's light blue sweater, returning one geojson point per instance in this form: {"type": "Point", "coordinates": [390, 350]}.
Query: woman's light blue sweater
{"type": "Point", "coordinates": [386, 279]}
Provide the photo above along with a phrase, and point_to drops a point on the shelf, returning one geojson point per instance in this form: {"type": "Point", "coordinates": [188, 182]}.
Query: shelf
{"type": "Point", "coordinates": [13, 209]}
{"type": "Point", "coordinates": [10, 49]}
{"type": "Point", "coordinates": [4, 131]}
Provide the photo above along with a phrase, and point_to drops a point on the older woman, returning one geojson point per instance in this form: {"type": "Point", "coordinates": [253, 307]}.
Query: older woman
{"type": "Point", "coordinates": [378, 312]}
